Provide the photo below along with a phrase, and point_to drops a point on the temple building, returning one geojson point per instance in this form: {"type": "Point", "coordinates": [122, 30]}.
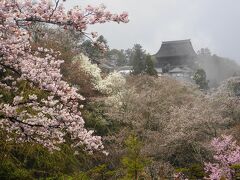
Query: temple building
{"type": "Point", "coordinates": [177, 58]}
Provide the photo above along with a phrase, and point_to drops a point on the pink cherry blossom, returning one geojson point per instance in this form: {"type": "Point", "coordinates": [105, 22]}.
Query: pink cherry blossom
{"type": "Point", "coordinates": [227, 153]}
{"type": "Point", "coordinates": [57, 115]}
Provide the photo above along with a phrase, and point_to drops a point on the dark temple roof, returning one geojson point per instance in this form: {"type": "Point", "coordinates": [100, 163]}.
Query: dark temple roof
{"type": "Point", "coordinates": [176, 48]}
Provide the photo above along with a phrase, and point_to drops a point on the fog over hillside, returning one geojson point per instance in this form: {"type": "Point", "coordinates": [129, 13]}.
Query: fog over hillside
{"type": "Point", "coordinates": [86, 94]}
{"type": "Point", "coordinates": [211, 24]}
{"type": "Point", "coordinates": [217, 68]}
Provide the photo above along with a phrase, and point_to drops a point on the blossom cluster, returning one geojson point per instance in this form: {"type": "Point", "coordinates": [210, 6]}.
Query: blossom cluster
{"type": "Point", "coordinates": [43, 118]}
{"type": "Point", "coordinates": [109, 85]}
{"type": "Point", "coordinates": [90, 69]}
{"type": "Point", "coordinates": [227, 153]}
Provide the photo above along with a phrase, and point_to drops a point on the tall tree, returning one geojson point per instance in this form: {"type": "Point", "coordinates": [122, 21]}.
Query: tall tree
{"type": "Point", "coordinates": [129, 53]}
{"type": "Point", "coordinates": [134, 162]}
{"type": "Point", "coordinates": [118, 57]}
{"type": "Point", "coordinates": [204, 52]}
{"type": "Point", "coordinates": [138, 59]}
{"type": "Point", "coordinates": [200, 79]}
{"type": "Point", "coordinates": [150, 70]}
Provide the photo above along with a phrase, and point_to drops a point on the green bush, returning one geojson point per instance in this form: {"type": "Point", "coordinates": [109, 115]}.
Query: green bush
{"type": "Point", "coordinates": [194, 171]}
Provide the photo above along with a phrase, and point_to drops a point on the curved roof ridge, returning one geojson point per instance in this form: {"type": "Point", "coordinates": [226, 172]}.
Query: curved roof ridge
{"type": "Point", "coordinates": [176, 48]}
{"type": "Point", "coordinates": [177, 41]}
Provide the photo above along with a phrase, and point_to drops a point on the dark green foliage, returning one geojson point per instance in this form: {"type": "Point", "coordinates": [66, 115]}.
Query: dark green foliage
{"type": "Point", "coordinates": [9, 170]}
{"type": "Point", "coordinates": [150, 70]}
{"type": "Point", "coordinates": [235, 88]}
{"type": "Point", "coordinates": [133, 162]}
{"type": "Point", "coordinates": [138, 60]}
{"type": "Point", "coordinates": [200, 79]}
{"type": "Point", "coordinates": [185, 154]}
{"type": "Point", "coordinates": [118, 56]}
{"type": "Point", "coordinates": [182, 156]}
{"type": "Point", "coordinates": [182, 170]}
{"type": "Point", "coordinates": [129, 53]}
{"type": "Point", "coordinates": [94, 116]}
{"type": "Point", "coordinates": [141, 62]}
{"type": "Point", "coordinates": [93, 52]}
{"type": "Point", "coordinates": [236, 169]}
{"type": "Point", "coordinates": [32, 161]}
{"type": "Point", "coordinates": [194, 171]}
{"type": "Point", "coordinates": [101, 172]}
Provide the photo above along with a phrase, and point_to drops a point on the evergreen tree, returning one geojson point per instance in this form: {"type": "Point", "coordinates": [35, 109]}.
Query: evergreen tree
{"type": "Point", "coordinates": [150, 70]}
{"type": "Point", "coordinates": [133, 162]}
{"type": "Point", "coordinates": [119, 56]}
{"type": "Point", "coordinates": [129, 53]}
{"type": "Point", "coordinates": [93, 52]}
{"type": "Point", "coordinates": [200, 79]}
{"type": "Point", "coordinates": [204, 52]}
{"type": "Point", "coordinates": [138, 60]}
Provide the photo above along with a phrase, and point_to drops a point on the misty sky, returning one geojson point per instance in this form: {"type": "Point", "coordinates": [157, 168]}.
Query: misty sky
{"type": "Point", "coordinates": [208, 23]}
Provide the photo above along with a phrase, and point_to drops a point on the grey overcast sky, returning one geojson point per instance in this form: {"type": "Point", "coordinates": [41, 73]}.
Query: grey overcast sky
{"type": "Point", "coordinates": [208, 23]}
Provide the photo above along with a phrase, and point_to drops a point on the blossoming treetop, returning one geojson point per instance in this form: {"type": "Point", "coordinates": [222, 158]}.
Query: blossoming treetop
{"type": "Point", "coordinates": [35, 103]}
{"type": "Point", "coordinates": [226, 154]}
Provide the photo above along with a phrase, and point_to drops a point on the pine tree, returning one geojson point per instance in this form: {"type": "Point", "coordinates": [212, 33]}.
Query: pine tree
{"type": "Point", "coordinates": [133, 162]}
{"type": "Point", "coordinates": [200, 79]}
{"type": "Point", "coordinates": [138, 60]}
{"type": "Point", "coordinates": [150, 70]}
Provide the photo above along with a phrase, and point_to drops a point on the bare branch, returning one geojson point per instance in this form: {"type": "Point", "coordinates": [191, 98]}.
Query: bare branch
{"type": "Point", "coordinates": [56, 5]}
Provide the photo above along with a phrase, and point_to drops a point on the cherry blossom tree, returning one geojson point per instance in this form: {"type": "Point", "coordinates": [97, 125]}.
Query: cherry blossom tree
{"type": "Point", "coordinates": [226, 153]}
{"type": "Point", "coordinates": [35, 103]}
{"type": "Point", "coordinates": [109, 85]}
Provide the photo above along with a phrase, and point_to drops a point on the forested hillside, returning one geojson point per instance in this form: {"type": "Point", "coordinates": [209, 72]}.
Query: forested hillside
{"type": "Point", "coordinates": [217, 68]}
{"type": "Point", "coordinates": [63, 117]}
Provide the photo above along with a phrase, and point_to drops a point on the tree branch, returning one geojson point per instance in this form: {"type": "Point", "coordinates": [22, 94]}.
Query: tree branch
{"type": "Point", "coordinates": [56, 5]}
{"type": "Point", "coordinates": [14, 119]}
